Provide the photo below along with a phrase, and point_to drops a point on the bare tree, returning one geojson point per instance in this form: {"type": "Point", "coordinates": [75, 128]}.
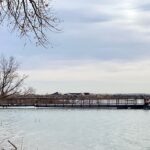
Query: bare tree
{"type": "Point", "coordinates": [10, 80]}
{"type": "Point", "coordinates": [30, 17]}
{"type": "Point", "coordinates": [29, 91]}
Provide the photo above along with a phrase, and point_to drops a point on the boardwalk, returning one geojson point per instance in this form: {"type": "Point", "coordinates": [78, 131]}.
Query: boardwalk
{"type": "Point", "coordinates": [80, 101]}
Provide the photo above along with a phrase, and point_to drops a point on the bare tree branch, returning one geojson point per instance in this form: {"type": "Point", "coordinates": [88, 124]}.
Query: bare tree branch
{"type": "Point", "coordinates": [10, 80]}
{"type": "Point", "coordinates": [30, 18]}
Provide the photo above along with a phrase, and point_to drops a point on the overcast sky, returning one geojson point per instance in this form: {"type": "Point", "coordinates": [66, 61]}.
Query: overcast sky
{"type": "Point", "coordinates": [104, 47]}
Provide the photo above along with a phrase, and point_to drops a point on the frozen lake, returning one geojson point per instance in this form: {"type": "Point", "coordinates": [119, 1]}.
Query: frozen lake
{"type": "Point", "coordinates": [74, 129]}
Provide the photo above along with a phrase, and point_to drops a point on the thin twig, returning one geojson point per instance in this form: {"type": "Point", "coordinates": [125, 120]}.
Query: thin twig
{"type": "Point", "coordinates": [12, 144]}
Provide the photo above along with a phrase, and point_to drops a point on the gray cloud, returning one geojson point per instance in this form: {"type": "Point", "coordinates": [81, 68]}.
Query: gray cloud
{"type": "Point", "coordinates": [144, 7]}
{"type": "Point", "coordinates": [84, 16]}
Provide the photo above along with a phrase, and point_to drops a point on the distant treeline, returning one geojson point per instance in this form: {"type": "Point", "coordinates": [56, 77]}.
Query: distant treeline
{"type": "Point", "coordinates": [82, 96]}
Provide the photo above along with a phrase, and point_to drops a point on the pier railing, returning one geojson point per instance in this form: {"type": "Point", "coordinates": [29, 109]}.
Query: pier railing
{"type": "Point", "coordinates": [136, 102]}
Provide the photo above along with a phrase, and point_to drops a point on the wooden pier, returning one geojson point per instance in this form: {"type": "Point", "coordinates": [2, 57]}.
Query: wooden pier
{"type": "Point", "coordinates": [80, 101]}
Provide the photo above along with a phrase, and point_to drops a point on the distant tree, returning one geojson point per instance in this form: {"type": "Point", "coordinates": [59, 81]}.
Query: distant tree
{"type": "Point", "coordinates": [30, 18]}
{"type": "Point", "coordinates": [10, 80]}
{"type": "Point", "coordinates": [29, 91]}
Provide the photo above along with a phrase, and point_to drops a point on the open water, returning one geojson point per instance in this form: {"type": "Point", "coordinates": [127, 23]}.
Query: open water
{"type": "Point", "coordinates": [74, 129]}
